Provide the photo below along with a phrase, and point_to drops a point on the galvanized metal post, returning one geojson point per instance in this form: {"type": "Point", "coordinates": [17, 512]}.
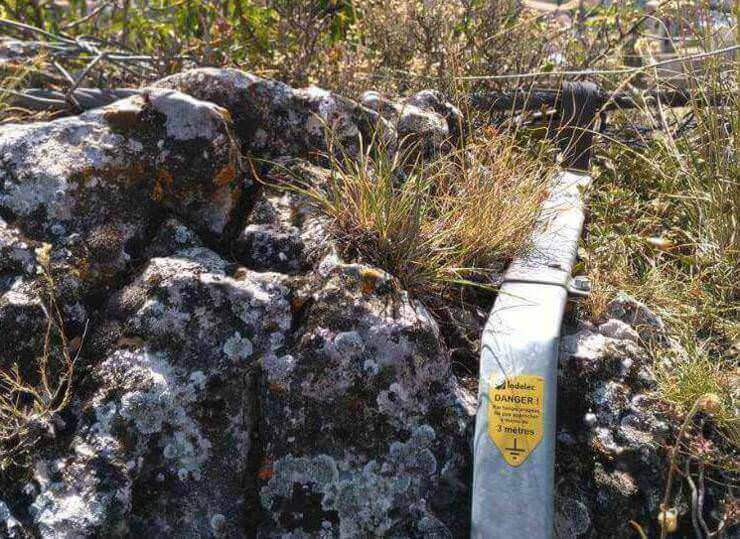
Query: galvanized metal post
{"type": "Point", "coordinates": [513, 471]}
{"type": "Point", "coordinates": [514, 445]}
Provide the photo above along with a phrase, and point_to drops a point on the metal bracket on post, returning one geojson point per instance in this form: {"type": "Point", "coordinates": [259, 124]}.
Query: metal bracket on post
{"type": "Point", "coordinates": [579, 286]}
{"type": "Point", "coordinates": [573, 127]}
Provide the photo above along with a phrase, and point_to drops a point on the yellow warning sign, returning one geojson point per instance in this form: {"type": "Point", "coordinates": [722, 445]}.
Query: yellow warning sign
{"type": "Point", "coordinates": [515, 416]}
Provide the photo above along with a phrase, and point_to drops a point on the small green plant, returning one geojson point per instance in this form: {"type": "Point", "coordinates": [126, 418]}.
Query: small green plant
{"type": "Point", "coordinates": [686, 380]}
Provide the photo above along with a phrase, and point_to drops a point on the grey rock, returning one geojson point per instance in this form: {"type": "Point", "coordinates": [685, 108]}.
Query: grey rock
{"type": "Point", "coordinates": [616, 329]}
{"type": "Point", "coordinates": [97, 185]}
{"type": "Point", "coordinates": [10, 527]}
{"type": "Point", "coordinates": [630, 311]}
{"type": "Point", "coordinates": [433, 100]}
{"type": "Point", "coordinates": [571, 518]}
{"type": "Point", "coordinates": [347, 423]}
{"type": "Point", "coordinates": [424, 122]}
{"type": "Point", "coordinates": [23, 322]}
{"type": "Point", "coordinates": [273, 119]}
{"type": "Point", "coordinates": [176, 402]}
{"type": "Point", "coordinates": [103, 172]}
{"type": "Point", "coordinates": [285, 232]}
{"type": "Point", "coordinates": [16, 254]}
{"type": "Point", "coordinates": [601, 388]}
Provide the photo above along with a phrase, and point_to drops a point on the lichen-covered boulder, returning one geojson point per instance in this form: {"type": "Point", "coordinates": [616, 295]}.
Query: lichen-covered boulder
{"type": "Point", "coordinates": [433, 100]}
{"type": "Point", "coordinates": [273, 119]}
{"type": "Point", "coordinates": [648, 325]}
{"type": "Point", "coordinates": [23, 322]}
{"type": "Point", "coordinates": [163, 446]}
{"type": "Point", "coordinates": [271, 240]}
{"type": "Point", "coordinates": [96, 185]}
{"type": "Point", "coordinates": [363, 425]}
{"type": "Point", "coordinates": [16, 255]}
{"type": "Point", "coordinates": [22, 317]}
{"type": "Point", "coordinates": [611, 434]}
{"type": "Point", "coordinates": [9, 525]}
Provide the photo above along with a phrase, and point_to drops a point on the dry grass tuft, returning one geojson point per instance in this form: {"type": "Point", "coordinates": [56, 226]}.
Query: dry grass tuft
{"type": "Point", "coordinates": [455, 221]}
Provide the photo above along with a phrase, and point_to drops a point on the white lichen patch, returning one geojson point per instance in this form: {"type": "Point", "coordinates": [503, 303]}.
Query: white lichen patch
{"type": "Point", "coordinates": [279, 369]}
{"type": "Point", "coordinates": [591, 346]}
{"type": "Point", "coordinates": [347, 344]}
{"type": "Point", "coordinates": [42, 156]}
{"type": "Point", "coordinates": [78, 499]}
{"type": "Point", "coordinates": [367, 498]}
{"type": "Point", "coordinates": [188, 118]}
{"type": "Point", "coordinates": [238, 348]}
{"type": "Point", "coordinates": [9, 525]}
{"type": "Point", "coordinates": [157, 404]}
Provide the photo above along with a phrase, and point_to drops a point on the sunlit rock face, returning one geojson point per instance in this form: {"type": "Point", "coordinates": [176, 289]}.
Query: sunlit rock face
{"type": "Point", "coordinates": [119, 165]}
{"type": "Point", "coordinates": [363, 424]}
{"type": "Point", "coordinates": [237, 378]}
{"type": "Point", "coordinates": [273, 119]}
{"type": "Point", "coordinates": [424, 122]}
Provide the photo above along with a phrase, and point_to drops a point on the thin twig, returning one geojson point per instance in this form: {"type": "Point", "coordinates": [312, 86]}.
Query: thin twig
{"type": "Point", "coordinates": [638, 529]}
{"type": "Point", "coordinates": [672, 466]}
{"type": "Point", "coordinates": [34, 30]}
{"type": "Point", "coordinates": [84, 74]}
{"type": "Point", "coordinates": [695, 507]}
{"type": "Point", "coordinates": [87, 17]}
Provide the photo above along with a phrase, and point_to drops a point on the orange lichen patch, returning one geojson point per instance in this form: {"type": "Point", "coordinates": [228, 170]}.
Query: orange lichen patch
{"type": "Point", "coordinates": [157, 192]}
{"type": "Point", "coordinates": [266, 471]}
{"type": "Point", "coordinates": [297, 303]}
{"type": "Point", "coordinates": [225, 176]}
{"type": "Point", "coordinates": [275, 388]}
{"type": "Point", "coordinates": [165, 178]}
{"type": "Point", "coordinates": [164, 182]}
{"type": "Point", "coordinates": [241, 273]}
{"type": "Point", "coordinates": [369, 279]}
{"type": "Point", "coordinates": [128, 175]}
{"type": "Point", "coordinates": [122, 175]}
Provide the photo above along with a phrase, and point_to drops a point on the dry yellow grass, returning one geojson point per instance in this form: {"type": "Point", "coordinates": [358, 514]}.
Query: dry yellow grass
{"type": "Point", "coordinates": [28, 408]}
{"type": "Point", "coordinates": [436, 226]}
